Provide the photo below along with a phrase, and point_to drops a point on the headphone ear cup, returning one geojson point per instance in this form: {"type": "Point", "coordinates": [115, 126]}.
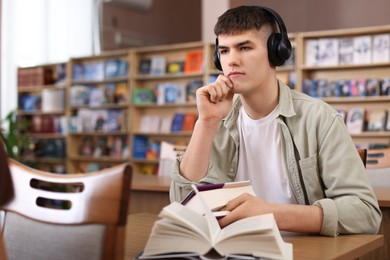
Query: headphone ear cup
{"type": "Point", "coordinates": [217, 61]}
{"type": "Point", "coordinates": [279, 49]}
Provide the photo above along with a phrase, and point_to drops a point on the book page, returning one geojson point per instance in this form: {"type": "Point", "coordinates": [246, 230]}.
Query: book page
{"type": "Point", "coordinates": [212, 222]}
{"type": "Point", "coordinates": [217, 195]}
{"type": "Point", "coordinates": [258, 236]}
{"type": "Point", "coordinates": [186, 217]}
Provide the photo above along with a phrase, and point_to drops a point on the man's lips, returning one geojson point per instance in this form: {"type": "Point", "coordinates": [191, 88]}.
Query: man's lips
{"type": "Point", "coordinates": [235, 73]}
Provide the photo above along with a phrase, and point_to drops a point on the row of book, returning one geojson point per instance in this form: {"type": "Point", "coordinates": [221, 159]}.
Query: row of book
{"type": "Point", "coordinates": [177, 122]}
{"type": "Point", "coordinates": [100, 70]}
{"type": "Point", "coordinates": [160, 65]}
{"type": "Point", "coordinates": [102, 120]}
{"type": "Point", "coordinates": [45, 148]}
{"type": "Point", "coordinates": [48, 101]}
{"type": "Point", "coordinates": [46, 124]}
{"type": "Point", "coordinates": [90, 95]}
{"type": "Point", "coordinates": [147, 148]}
{"type": "Point", "coordinates": [356, 50]}
{"type": "Point", "coordinates": [39, 76]}
{"type": "Point", "coordinates": [360, 119]}
{"type": "Point", "coordinates": [167, 93]}
{"type": "Point", "coordinates": [322, 88]}
{"type": "Point", "coordinates": [109, 146]}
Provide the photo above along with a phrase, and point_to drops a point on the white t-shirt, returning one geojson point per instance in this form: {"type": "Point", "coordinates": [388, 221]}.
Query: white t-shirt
{"type": "Point", "coordinates": [261, 158]}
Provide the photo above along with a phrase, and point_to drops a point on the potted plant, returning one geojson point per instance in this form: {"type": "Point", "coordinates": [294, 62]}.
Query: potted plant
{"type": "Point", "coordinates": [13, 135]}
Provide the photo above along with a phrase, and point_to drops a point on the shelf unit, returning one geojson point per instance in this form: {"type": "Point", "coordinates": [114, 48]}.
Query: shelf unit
{"type": "Point", "coordinates": [42, 108]}
{"type": "Point", "coordinates": [289, 72]}
{"type": "Point", "coordinates": [134, 111]}
{"type": "Point", "coordinates": [369, 70]}
{"type": "Point", "coordinates": [146, 141]}
{"type": "Point", "coordinates": [98, 111]}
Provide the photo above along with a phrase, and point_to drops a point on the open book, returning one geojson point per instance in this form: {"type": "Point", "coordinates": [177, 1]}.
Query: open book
{"type": "Point", "coordinates": [216, 196]}
{"type": "Point", "coordinates": [182, 232]}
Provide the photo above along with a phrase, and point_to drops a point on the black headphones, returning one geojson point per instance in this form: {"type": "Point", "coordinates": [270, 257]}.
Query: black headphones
{"type": "Point", "coordinates": [278, 44]}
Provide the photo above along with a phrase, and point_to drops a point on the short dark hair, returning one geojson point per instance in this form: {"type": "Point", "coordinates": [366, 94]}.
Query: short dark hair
{"type": "Point", "coordinates": [243, 18]}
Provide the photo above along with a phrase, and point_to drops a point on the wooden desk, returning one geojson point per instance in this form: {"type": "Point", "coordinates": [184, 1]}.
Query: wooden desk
{"type": "Point", "coordinates": [148, 194]}
{"type": "Point", "coordinates": [383, 196]}
{"type": "Point", "coordinates": [305, 247]}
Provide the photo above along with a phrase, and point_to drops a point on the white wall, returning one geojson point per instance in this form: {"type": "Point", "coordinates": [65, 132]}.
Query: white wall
{"type": "Point", "coordinates": [211, 10]}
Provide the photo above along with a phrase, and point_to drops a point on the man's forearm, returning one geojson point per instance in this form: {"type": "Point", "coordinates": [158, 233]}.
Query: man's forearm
{"type": "Point", "coordinates": [196, 158]}
{"type": "Point", "coordinates": [299, 218]}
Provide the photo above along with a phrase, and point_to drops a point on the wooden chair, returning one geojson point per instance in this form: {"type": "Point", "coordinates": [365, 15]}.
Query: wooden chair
{"type": "Point", "coordinates": [363, 155]}
{"type": "Point", "coordinates": [70, 216]}
{"type": "Point", "coordinates": [6, 191]}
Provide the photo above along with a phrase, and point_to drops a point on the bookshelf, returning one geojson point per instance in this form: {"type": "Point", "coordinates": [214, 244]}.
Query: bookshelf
{"type": "Point", "coordinates": [41, 110]}
{"type": "Point", "coordinates": [163, 98]}
{"type": "Point", "coordinates": [289, 72]}
{"type": "Point", "coordinates": [98, 111]}
{"type": "Point", "coordinates": [358, 62]}
{"type": "Point", "coordinates": [156, 88]}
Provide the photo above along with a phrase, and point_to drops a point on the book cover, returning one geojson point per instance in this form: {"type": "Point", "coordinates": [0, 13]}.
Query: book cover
{"type": "Point", "coordinates": [189, 121]}
{"type": "Point", "coordinates": [381, 48]}
{"type": "Point", "coordinates": [96, 97]}
{"type": "Point", "coordinates": [175, 67]}
{"type": "Point", "coordinates": [182, 232]}
{"type": "Point", "coordinates": [362, 46]}
{"type": "Point", "coordinates": [168, 154]}
{"type": "Point", "coordinates": [150, 124]}
{"type": "Point", "coordinates": [145, 66]}
{"type": "Point", "coordinates": [356, 120]}
{"type": "Point", "coordinates": [79, 95]}
{"type": "Point", "coordinates": [311, 52]}
{"type": "Point", "coordinates": [157, 67]}
{"type": "Point", "coordinates": [385, 87]}
{"type": "Point", "coordinates": [140, 147]}
{"type": "Point", "coordinates": [328, 52]}
{"type": "Point", "coordinates": [376, 119]}
{"type": "Point", "coordinates": [342, 88]}
{"type": "Point", "coordinates": [177, 122]}
{"type": "Point", "coordinates": [120, 93]}
{"type": "Point", "coordinates": [372, 87]}
{"type": "Point", "coordinates": [112, 68]}
{"type": "Point", "coordinates": [143, 96]}
{"type": "Point", "coordinates": [346, 51]}
{"type": "Point", "coordinates": [191, 88]}
{"type": "Point", "coordinates": [193, 61]}
{"type": "Point", "coordinates": [166, 124]}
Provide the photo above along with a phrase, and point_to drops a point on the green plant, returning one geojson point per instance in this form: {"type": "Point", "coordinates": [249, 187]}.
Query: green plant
{"type": "Point", "coordinates": [13, 135]}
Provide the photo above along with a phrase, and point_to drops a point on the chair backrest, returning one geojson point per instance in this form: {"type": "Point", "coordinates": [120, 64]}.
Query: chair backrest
{"type": "Point", "coordinates": [378, 158]}
{"type": "Point", "coordinates": [363, 155]}
{"type": "Point", "coordinates": [69, 216]}
{"type": "Point", "coordinates": [6, 191]}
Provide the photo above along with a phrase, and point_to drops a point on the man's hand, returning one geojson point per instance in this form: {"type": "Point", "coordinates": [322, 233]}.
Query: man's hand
{"type": "Point", "coordinates": [215, 99]}
{"type": "Point", "coordinates": [288, 217]}
{"type": "Point", "coordinates": [244, 206]}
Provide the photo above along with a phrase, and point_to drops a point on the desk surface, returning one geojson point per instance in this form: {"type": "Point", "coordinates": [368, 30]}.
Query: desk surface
{"type": "Point", "coordinates": [304, 247]}
{"type": "Point", "coordinates": [161, 184]}
{"type": "Point", "coordinates": [142, 182]}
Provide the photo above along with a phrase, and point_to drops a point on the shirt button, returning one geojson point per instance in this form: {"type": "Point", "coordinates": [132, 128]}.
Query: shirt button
{"type": "Point", "coordinates": [231, 169]}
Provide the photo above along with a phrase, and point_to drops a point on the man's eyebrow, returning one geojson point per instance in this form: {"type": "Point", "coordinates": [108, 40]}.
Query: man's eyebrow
{"type": "Point", "coordinates": [235, 45]}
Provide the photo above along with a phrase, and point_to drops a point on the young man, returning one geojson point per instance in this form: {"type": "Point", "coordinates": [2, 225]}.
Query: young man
{"type": "Point", "coordinates": [303, 164]}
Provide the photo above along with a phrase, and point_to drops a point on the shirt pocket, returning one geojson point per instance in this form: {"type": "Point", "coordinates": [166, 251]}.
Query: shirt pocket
{"type": "Point", "coordinates": [311, 178]}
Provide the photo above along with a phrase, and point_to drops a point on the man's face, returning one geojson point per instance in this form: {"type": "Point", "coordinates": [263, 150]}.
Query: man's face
{"type": "Point", "coordinates": [244, 59]}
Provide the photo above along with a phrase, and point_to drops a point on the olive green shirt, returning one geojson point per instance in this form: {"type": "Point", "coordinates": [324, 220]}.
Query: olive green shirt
{"type": "Point", "coordinates": [323, 165]}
